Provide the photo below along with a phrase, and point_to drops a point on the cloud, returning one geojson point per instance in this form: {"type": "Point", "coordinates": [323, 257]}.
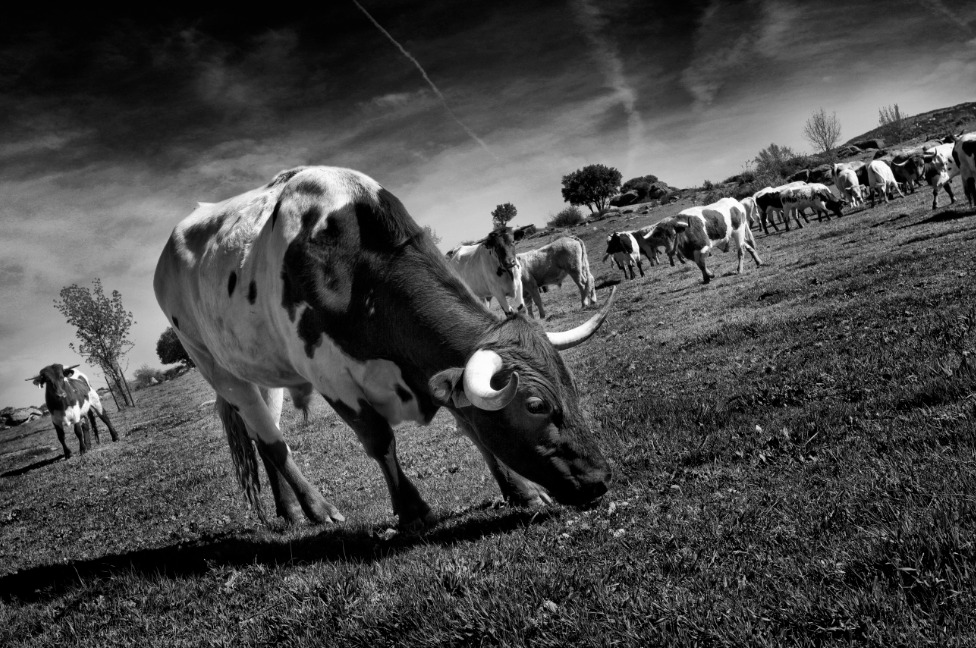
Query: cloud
{"type": "Point", "coordinates": [723, 43]}
{"type": "Point", "coordinates": [940, 9]}
{"type": "Point", "coordinates": [394, 100]}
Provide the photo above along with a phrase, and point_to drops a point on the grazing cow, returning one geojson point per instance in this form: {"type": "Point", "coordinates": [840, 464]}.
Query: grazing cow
{"type": "Point", "coordinates": [768, 200]}
{"type": "Point", "coordinates": [697, 230]}
{"type": "Point", "coordinates": [964, 155]}
{"type": "Point", "coordinates": [907, 169]}
{"type": "Point", "coordinates": [848, 187]}
{"type": "Point", "coordinates": [550, 264]}
{"type": "Point", "coordinates": [880, 178]}
{"type": "Point", "coordinates": [622, 246]}
{"type": "Point", "coordinates": [70, 398]}
{"type": "Point", "coordinates": [490, 269]}
{"type": "Point", "coordinates": [940, 168]}
{"type": "Point", "coordinates": [341, 293]}
{"type": "Point", "coordinates": [816, 196]}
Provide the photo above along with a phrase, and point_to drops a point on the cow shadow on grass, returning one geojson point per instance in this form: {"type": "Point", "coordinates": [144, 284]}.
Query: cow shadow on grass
{"type": "Point", "coordinates": [34, 466]}
{"type": "Point", "coordinates": [342, 544]}
{"type": "Point", "coordinates": [943, 217]}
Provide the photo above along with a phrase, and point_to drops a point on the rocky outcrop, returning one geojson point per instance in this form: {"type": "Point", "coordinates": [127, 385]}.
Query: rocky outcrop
{"type": "Point", "coordinates": [876, 143]}
{"type": "Point", "coordinates": [19, 415]}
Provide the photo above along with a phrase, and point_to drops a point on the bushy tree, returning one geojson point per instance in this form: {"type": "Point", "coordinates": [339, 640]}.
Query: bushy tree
{"type": "Point", "coordinates": [502, 214]}
{"type": "Point", "coordinates": [592, 186]}
{"type": "Point", "coordinates": [566, 218]}
{"type": "Point", "coordinates": [102, 325]}
{"type": "Point", "coordinates": [170, 350]}
{"type": "Point", "coordinates": [821, 131]}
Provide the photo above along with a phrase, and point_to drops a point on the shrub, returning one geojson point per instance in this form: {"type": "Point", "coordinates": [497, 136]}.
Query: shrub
{"type": "Point", "coordinates": [145, 374]}
{"type": "Point", "coordinates": [707, 185]}
{"type": "Point", "coordinates": [566, 217]}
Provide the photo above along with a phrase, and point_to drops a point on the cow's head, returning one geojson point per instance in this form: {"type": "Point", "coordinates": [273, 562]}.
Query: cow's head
{"type": "Point", "coordinates": [517, 396]}
{"type": "Point", "coordinates": [501, 243]}
{"type": "Point", "coordinates": [53, 377]}
{"type": "Point", "coordinates": [832, 203]}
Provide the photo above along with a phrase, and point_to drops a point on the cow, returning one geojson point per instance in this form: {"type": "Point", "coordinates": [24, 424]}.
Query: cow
{"type": "Point", "coordinates": [907, 169]}
{"type": "Point", "coordinates": [768, 199]}
{"type": "Point", "coordinates": [752, 211]}
{"type": "Point", "coordinates": [964, 156]}
{"type": "Point", "coordinates": [648, 243]}
{"type": "Point", "coordinates": [697, 230]}
{"type": "Point", "coordinates": [622, 246]}
{"type": "Point", "coordinates": [490, 269]}
{"type": "Point", "coordinates": [880, 178]}
{"type": "Point", "coordinates": [940, 168]}
{"type": "Point", "coordinates": [70, 397]}
{"type": "Point", "coordinates": [321, 282]}
{"type": "Point", "coordinates": [816, 196]}
{"type": "Point", "coordinates": [848, 187]}
{"type": "Point", "coordinates": [550, 264]}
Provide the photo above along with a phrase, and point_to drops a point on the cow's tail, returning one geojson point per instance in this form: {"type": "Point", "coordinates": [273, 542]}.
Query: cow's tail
{"type": "Point", "coordinates": [588, 281]}
{"type": "Point", "coordinates": [243, 454]}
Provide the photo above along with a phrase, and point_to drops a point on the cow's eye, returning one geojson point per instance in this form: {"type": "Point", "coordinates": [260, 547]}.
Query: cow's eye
{"type": "Point", "coordinates": [536, 405]}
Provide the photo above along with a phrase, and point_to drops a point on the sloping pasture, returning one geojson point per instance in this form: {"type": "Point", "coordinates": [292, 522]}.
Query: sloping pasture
{"type": "Point", "coordinates": [794, 456]}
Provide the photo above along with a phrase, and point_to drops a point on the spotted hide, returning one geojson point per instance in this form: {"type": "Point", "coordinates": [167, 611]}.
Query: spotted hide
{"type": "Point", "coordinates": [353, 300]}
{"type": "Point", "coordinates": [622, 246]}
{"type": "Point", "coordinates": [964, 156]}
{"type": "Point", "coordinates": [814, 196]}
{"type": "Point", "coordinates": [695, 231]}
{"type": "Point", "coordinates": [70, 398]}
{"type": "Point", "coordinates": [768, 203]}
{"type": "Point", "coordinates": [939, 170]}
{"type": "Point", "coordinates": [550, 265]}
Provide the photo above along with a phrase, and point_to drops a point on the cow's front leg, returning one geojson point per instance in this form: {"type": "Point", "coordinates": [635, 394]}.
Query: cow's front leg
{"type": "Point", "coordinates": [376, 435]}
{"type": "Point", "coordinates": [639, 267]}
{"type": "Point", "coordinates": [102, 414]}
{"type": "Point", "coordinates": [700, 260]}
{"type": "Point", "coordinates": [515, 489]}
{"type": "Point", "coordinates": [60, 431]}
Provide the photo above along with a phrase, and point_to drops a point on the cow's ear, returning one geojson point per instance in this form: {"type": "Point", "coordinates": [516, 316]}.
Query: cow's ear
{"type": "Point", "coordinates": [447, 389]}
{"type": "Point", "coordinates": [680, 226]}
{"type": "Point", "coordinates": [68, 373]}
{"type": "Point", "coordinates": [39, 382]}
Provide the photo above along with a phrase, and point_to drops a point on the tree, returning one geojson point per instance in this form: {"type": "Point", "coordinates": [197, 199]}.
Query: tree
{"type": "Point", "coordinates": [102, 325]}
{"type": "Point", "coordinates": [170, 350]}
{"type": "Point", "coordinates": [432, 234]}
{"type": "Point", "coordinates": [822, 131]}
{"type": "Point", "coordinates": [592, 185]}
{"type": "Point", "coordinates": [894, 124]}
{"type": "Point", "coordinates": [502, 214]}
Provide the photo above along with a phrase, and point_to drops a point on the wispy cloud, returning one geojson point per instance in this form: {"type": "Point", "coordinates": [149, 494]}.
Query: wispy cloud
{"type": "Point", "coordinates": [433, 87]}
{"type": "Point", "coordinates": [938, 7]}
{"type": "Point", "coordinates": [611, 65]}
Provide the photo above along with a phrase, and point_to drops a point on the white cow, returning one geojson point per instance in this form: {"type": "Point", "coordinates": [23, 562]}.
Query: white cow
{"type": "Point", "coordinates": [815, 196]}
{"type": "Point", "coordinates": [940, 168]}
{"type": "Point", "coordinates": [491, 269]}
{"type": "Point", "coordinates": [880, 178]}
{"type": "Point", "coordinates": [849, 188]}
{"type": "Point", "coordinates": [752, 211]}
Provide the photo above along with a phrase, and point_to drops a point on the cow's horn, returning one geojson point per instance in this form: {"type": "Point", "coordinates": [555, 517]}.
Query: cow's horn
{"type": "Point", "coordinates": [72, 367]}
{"type": "Point", "coordinates": [33, 379]}
{"type": "Point", "coordinates": [568, 339]}
{"type": "Point", "coordinates": [477, 381]}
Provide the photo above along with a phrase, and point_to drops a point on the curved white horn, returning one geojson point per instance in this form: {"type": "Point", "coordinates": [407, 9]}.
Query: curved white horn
{"type": "Point", "coordinates": [568, 339]}
{"type": "Point", "coordinates": [477, 381]}
{"type": "Point", "coordinates": [72, 367]}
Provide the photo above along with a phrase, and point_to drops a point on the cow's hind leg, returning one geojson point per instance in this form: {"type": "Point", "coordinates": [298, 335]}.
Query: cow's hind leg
{"type": "Point", "coordinates": [93, 427]}
{"type": "Point", "coordinates": [376, 435]}
{"type": "Point", "coordinates": [700, 260]}
{"type": "Point", "coordinates": [536, 298]}
{"type": "Point", "coordinates": [102, 414]}
{"type": "Point", "coordinates": [83, 441]}
{"type": "Point", "coordinates": [640, 267]}
{"type": "Point", "coordinates": [60, 431]}
{"type": "Point", "coordinates": [750, 244]}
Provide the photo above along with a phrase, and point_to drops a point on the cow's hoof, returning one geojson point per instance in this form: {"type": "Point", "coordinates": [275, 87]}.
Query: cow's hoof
{"type": "Point", "coordinates": [417, 525]}
{"type": "Point", "coordinates": [325, 514]}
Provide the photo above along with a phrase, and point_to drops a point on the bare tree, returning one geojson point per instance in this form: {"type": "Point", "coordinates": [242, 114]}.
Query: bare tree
{"type": "Point", "coordinates": [894, 124]}
{"type": "Point", "coordinates": [822, 131]}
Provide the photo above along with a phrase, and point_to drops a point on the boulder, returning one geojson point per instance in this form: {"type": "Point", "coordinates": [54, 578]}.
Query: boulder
{"type": "Point", "coordinates": [803, 175]}
{"type": "Point", "coordinates": [847, 151]}
{"type": "Point", "coordinates": [876, 143]}
{"type": "Point", "coordinates": [20, 415]}
{"type": "Point", "coordinates": [821, 174]}
{"type": "Point", "coordinates": [657, 189]}
{"type": "Point", "coordinates": [624, 199]}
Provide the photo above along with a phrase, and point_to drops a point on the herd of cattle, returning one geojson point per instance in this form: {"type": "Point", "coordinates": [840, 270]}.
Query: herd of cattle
{"type": "Point", "coordinates": [349, 298]}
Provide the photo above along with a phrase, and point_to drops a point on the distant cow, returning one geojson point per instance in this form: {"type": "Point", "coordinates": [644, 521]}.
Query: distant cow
{"type": "Point", "coordinates": [550, 264]}
{"type": "Point", "coordinates": [768, 200]}
{"type": "Point", "coordinates": [907, 169]}
{"type": "Point", "coordinates": [880, 178]}
{"type": "Point", "coordinates": [490, 269]}
{"type": "Point", "coordinates": [964, 155]}
{"type": "Point", "coordinates": [649, 242]}
{"type": "Point", "coordinates": [815, 196]}
{"type": "Point", "coordinates": [752, 211]}
{"type": "Point", "coordinates": [70, 398]}
{"type": "Point", "coordinates": [940, 168]}
{"type": "Point", "coordinates": [697, 230]}
{"type": "Point", "coordinates": [623, 248]}
{"type": "Point", "coordinates": [848, 187]}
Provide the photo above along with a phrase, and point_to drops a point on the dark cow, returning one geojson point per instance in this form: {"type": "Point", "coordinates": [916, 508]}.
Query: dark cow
{"type": "Point", "coordinates": [550, 264]}
{"type": "Point", "coordinates": [70, 398]}
{"type": "Point", "coordinates": [768, 201]}
{"type": "Point", "coordinates": [622, 246]}
{"type": "Point", "coordinates": [697, 230]}
{"type": "Point", "coordinates": [964, 155]}
{"type": "Point", "coordinates": [352, 300]}
{"type": "Point", "coordinates": [648, 243]}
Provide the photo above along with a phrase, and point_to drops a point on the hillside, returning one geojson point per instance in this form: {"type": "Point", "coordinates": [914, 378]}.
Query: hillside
{"type": "Point", "coordinates": [930, 125]}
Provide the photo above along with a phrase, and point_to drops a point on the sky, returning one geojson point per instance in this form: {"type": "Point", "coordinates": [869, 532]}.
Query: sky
{"type": "Point", "coordinates": [112, 128]}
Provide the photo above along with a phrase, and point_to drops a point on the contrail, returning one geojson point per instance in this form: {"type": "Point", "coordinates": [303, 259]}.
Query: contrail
{"type": "Point", "coordinates": [938, 7]}
{"type": "Point", "coordinates": [427, 79]}
{"type": "Point", "coordinates": [612, 67]}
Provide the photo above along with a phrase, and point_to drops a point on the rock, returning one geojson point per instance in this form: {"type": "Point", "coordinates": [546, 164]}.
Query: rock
{"type": "Point", "coordinates": [624, 199]}
{"type": "Point", "coordinates": [876, 143]}
{"type": "Point", "coordinates": [803, 175]}
{"type": "Point", "coordinates": [20, 415]}
{"type": "Point", "coordinates": [847, 151]}
{"type": "Point", "coordinates": [657, 190]}
{"type": "Point", "coordinates": [821, 174]}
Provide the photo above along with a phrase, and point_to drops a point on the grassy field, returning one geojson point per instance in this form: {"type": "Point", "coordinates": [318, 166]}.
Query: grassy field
{"type": "Point", "coordinates": [794, 456]}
